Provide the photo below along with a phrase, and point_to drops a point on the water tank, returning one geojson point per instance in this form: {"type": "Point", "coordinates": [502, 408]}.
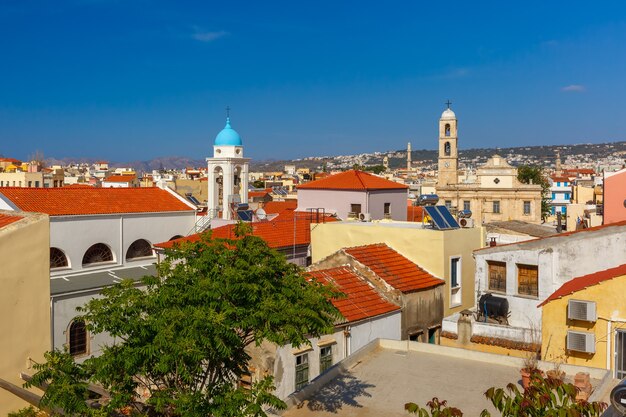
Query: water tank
{"type": "Point", "coordinates": [492, 306]}
{"type": "Point", "coordinates": [464, 214]}
{"type": "Point", "coordinates": [618, 397]}
{"type": "Point", "coordinates": [428, 199]}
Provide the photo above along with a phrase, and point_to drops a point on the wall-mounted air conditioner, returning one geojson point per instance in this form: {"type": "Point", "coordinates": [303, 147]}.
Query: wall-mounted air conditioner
{"type": "Point", "coordinates": [581, 310]}
{"type": "Point", "coordinates": [466, 222]}
{"type": "Point", "coordinates": [365, 217]}
{"type": "Point", "coordinates": [581, 341]}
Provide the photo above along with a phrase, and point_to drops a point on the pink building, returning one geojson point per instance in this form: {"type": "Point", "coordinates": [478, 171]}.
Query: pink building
{"type": "Point", "coordinates": [615, 196]}
{"type": "Point", "coordinates": [355, 194]}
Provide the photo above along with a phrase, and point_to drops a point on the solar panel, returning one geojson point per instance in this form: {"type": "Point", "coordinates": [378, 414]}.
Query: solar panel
{"type": "Point", "coordinates": [245, 215]}
{"type": "Point", "coordinates": [441, 217]}
{"type": "Point", "coordinates": [448, 217]}
{"type": "Point", "coordinates": [193, 199]}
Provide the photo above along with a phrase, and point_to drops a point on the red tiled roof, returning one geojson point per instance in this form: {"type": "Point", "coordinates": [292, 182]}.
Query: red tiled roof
{"type": "Point", "coordinates": [91, 200]}
{"type": "Point", "coordinates": [352, 180]}
{"type": "Point", "coordinates": [560, 179]}
{"type": "Point", "coordinates": [272, 207]}
{"type": "Point", "coordinates": [393, 268]}
{"type": "Point", "coordinates": [361, 301]}
{"type": "Point", "coordinates": [585, 281]}
{"type": "Point", "coordinates": [6, 219]}
{"type": "Point", "coordinates": [557, 235]}
{"type": "Point", "coordinates": [579, 171]}
{"type": "Point", "coordinates": [414, 213]}
{"type": "Point", "coordinates": [281, 232]}
{"type": "Point", "coordinates": [253, 194]}
{"type": "Point", "coordinates": [12, 160]}
{"type": "Point", "coordinates": [120, 178]}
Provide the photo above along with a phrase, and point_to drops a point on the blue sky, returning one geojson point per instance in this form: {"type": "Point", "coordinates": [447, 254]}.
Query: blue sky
{"type": "Point", "coordinates": [126, 80]}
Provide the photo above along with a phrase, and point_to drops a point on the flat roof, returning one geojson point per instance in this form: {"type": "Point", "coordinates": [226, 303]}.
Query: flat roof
{"type": "Point", "coordinates": [64, 284]}
{"type": "Point", "coordinates": [381, 380]}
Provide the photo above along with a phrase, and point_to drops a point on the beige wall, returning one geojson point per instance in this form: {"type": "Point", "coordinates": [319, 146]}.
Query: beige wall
{"type": "Point", "coordinates": [24, 300]}
{"type": "Point", "coordinates": [21, 179]}
{"type": "Point", "coordinates": [430, 249]}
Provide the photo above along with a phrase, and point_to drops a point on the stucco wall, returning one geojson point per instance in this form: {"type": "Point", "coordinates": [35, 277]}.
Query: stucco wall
{"type": "Point", "coordinates": [614, 197]}
{"type": "Point", "coordinates": [75, 234]}
{"type": "Point", "coordinates": [610, 298]}
{"type": "Point", "coordinates": [339, 201]}
{"type": "Point", "coordinates": [430, 249]}
{"type": "Point", "coordinates": [24, 301]}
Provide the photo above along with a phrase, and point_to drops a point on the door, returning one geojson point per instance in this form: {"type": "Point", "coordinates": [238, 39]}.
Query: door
{"type": "Point", "coordinates": [620, 354]}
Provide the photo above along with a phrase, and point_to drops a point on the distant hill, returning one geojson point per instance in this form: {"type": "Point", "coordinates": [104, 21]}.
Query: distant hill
{"type": "Point", "coordinates": [397, 158]}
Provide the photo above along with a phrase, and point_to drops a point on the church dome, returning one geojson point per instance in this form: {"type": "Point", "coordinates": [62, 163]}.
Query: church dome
{"type": "Point", "coordinates": [448, 114]}
{"type": "Point", "coordinates": [228, 136]}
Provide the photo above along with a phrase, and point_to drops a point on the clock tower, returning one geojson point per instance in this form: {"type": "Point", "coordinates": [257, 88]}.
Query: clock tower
{"type": "Point", "coordinates": [448, 151]}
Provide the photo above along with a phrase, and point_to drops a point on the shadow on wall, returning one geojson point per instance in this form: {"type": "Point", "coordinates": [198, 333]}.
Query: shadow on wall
{"type": "Point", "coordinates": [342, 391]}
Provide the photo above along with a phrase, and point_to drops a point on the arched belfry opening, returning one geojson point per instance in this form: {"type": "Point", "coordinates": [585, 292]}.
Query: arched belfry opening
{"type": "Point", "coordinates": [447, 130]}
{"type": "Point", "coordinates": [446, 149]}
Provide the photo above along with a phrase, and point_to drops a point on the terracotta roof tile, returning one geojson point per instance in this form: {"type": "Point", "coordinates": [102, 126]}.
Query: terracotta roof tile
{"type": "Point", "coordinates": [361, 301]}
{"type": "Point", "coordinates": [288, 229]}
{"type": "Point", "coordinates": [393, 268]}
{"type": "Point", "coordinates": [7, 219]}
{"type": "Point", "coordinates": [120, 178]}
{"type": "Point", "coordinates": [352, 180]}
{"type": "Point", "coordinates": [91, 200]}
{"type": "Point", "coordinates": [275, 207]}
{"type": "Point", "coordinates": [585, 281]}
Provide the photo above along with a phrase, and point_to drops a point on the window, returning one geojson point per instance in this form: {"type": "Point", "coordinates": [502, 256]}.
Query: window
{"type": "Point", "coordinates": [496, 207]}
{"type": "Point", "coordinates": [78, 338]}
{"type": "Point", "coordinates": [30, 184]}
{"type": "Point", "coordinates": [57, 258]}
{"type": "Point", "coordinates": [446, 148]}
{"type": "Point", "coordinates": [466, 205]}
{"type": "Point", "coordinates": [527, 208]}
{"type": "Point", "coordinates": [139, 249]}
{"type": "Point", "coordinates": [497, 276]}
{"type": "Point", "coordinates": [448, 204]}
{"type": "Point", "coordinates": [355, 208]}
{"type": "Point", "coordinates": [455, 281]}
{"type": "Point", "coordinates": [528, 280]}
{"type": "Point", "coordinates": [326, 358]}
{"type": "Point", "coordinates": [387, 208]}
{"type": "Point", "coordinates": [447, 130]}
{"type": "Point", "coordinates": [302, 370]}
{"type": "Point", "coordinates": [97, 253]}
{"type": "Point", "coordinates": [37, 184]}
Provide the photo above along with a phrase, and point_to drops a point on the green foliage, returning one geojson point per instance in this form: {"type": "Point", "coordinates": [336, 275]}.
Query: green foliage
{"type": "Point", "coordinates": [183, 339]}
{"type": "Point", "coordinates": [527, 174]}
{"type": "Point", "coordinates": [376, 169]}
{"type": "Point", "coordinates": [436, 408]}
{"type": "Point", "coordinates": [25, 412]}
{"type": "Point", "coordinates": [258, 184]}
{"type": "Point", "coordinates": [545, 397]}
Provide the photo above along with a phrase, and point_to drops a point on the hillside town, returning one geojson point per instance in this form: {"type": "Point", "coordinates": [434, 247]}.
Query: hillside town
{"type": "Point", "coordinates": [444, 267]}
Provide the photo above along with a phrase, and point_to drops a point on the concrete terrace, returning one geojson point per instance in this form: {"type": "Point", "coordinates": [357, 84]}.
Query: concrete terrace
{"type": "Point", "coordinates": [383, 376]}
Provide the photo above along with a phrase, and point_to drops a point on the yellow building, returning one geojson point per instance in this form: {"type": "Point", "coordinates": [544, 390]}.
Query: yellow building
{"type": "Point", "coordinates": [446, 254]}
{"type": "Point", "coordinates": [24, 299]}
{"type": "Point", "coordinates": [584, 322]}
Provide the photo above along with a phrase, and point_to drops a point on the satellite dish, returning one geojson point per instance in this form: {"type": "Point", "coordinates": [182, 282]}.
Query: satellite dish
{"type": "Point", "coordinates": [261, 214]}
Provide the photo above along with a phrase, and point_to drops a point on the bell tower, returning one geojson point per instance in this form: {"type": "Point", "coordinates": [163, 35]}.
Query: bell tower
{"type": "Point", "coordinates": [448, 151]}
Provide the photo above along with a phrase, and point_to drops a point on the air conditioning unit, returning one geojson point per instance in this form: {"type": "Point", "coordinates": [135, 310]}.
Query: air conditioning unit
{"type": "Point", "coordinates": [581, 341]}
{"type": "Point", "coordinates": [466, 222]}
{"type": "Point", "coordinates": [365, 217]}
{"type": "Point", "coordinates": [581, 310]}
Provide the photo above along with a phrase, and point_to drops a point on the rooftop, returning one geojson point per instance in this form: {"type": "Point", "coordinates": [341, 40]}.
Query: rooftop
{"type": "Point", "coordinates": [393, 268]}
{"type": "Point", "coordinates": [64, 284]}
{"type": "Point", "coordinates": [521, 227]}
{"type": "Point", "coordinates": [120, 178]}
{"type": "Point", "coordinates": [383, 376]}
{"type": "Point", "coordinates": [7, 219]}
{"type": "Point", "coordinates": [580, 283]}
{"type": "Point", "coordinates": [353, 180]}
{"type": "Point", "coordinates": [67, 201]}
{"type": "Point", "coordinates": [361, 301]}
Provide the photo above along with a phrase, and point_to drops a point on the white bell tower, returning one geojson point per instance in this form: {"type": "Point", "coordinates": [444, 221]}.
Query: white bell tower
{"type": "Point", "coordinates": [227, 173]}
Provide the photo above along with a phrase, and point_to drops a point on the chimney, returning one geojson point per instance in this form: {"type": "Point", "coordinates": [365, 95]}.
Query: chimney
{"type": "Point", "coordinates": [492, 242]}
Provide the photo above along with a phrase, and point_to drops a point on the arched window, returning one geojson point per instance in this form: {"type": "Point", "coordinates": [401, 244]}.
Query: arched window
{"type": "Point", "coordinates": [446, 148]}
{"type": "Point", "coordinates": [447, 130]}
{"type": "Point", "coordinates": [58, 258]}
{"type": "Point", "coordinates": [175, 237]}
{"type": "Point", "coordinates": [139, 249]}
{"type": "Point", "coordinates": [77, 338]}
{"type": "Point", "coordinates": [97, 253]}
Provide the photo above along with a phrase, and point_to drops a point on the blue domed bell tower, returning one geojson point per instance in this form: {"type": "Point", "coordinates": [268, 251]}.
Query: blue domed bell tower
{"type": "Point", "coordinates": [227, 173]}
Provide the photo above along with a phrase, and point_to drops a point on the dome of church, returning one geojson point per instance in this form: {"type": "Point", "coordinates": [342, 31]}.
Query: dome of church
{"type": "Point", "coordinates": [228, 136]}
{"type": "Point", "coordinates": [448, 114]}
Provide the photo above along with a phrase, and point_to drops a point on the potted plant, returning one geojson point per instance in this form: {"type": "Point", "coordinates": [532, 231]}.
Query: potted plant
{"type": "Point", "coordinates": [530, 368]}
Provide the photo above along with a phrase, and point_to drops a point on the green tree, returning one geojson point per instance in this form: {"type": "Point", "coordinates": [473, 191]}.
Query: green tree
{"type": "Point", "coordinates": [258, 184]}
{"type": "Point", "coordinates": [184, 338]}
{"type": "Point", "coordinates": [533, 174]}
{"type": "Point", "coordinates": [376, 169]}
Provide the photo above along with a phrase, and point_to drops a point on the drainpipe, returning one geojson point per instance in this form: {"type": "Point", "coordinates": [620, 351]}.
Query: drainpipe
{"type": "Point", "coordinates": [608, 344]}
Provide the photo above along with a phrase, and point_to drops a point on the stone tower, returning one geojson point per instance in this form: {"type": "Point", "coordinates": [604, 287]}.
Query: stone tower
{"type": "Point", "coordinates": [408, 156]}
{"type": "Point", "coordinates": [448, 149]}
{"type": "Point", "coordinates": [227, 174]}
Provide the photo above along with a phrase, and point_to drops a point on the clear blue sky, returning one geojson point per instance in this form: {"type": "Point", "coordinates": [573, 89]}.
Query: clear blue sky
{"type": "Point", "coordinates": [126, 80]}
